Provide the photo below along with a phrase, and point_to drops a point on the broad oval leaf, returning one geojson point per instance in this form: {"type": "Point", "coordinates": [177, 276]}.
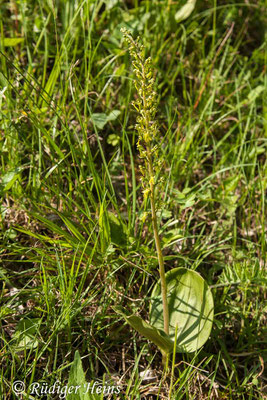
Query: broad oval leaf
{"type": "Point", "coordinates": [118, 230]}
{"type": "Point", "coordinates": [101, 119]}
{"type": "Point", "coordinates": [190, 308]}
{"type": "Point", "coordinates": [185, 11]}
{"type": "Point", "coordinates": [11, 42]}
{"type": "Point", "coordinates": [157, 336]}
{"type": "Point", "coordinates": [77, 380]}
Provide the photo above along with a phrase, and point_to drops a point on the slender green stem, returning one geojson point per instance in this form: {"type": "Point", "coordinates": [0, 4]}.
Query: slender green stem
{"type": "Point", "coordinates": [159, 253]}
{"type": "Point", "coordinates": [165, 363]}
{"type": "Point", "coordinates": [173, 362]}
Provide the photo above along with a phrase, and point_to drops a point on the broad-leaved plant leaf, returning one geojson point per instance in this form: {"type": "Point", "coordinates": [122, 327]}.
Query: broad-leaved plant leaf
{"type": "Point", "coordinates": [191, 306]}
{"type": "Point", "coordinates": [185, 11]}
{"type": "Point", "coordinates": [157, 336]}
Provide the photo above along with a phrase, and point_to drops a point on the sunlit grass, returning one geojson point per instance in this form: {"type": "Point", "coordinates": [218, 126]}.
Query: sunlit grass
{"type": "Point", "coordinates": [73, 240]}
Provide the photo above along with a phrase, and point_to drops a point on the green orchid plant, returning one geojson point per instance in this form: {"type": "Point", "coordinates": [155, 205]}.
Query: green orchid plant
{"type": "Point", "coordinates": [181, 305]}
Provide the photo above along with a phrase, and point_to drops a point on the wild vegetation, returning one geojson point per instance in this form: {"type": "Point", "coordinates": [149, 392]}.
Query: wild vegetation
{"type": "Point", "coordinates": [77, 237]}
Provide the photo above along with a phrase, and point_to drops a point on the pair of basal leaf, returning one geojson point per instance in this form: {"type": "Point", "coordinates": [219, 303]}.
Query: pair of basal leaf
{"type": "Point", "coordinates": [190, 304]}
